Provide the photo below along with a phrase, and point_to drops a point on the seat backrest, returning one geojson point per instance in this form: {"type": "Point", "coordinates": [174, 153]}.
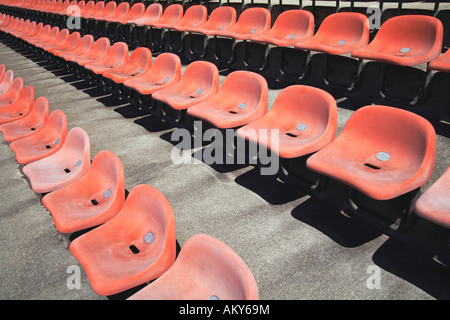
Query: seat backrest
{"type": "Point", "coordinates": [154, 11]}
{"type": "Point", "coordinates": [222, 17]}
{"type": "Point", "coordinates": [240, 284]}
{"type": "Point", "coordinates": [254, 19]}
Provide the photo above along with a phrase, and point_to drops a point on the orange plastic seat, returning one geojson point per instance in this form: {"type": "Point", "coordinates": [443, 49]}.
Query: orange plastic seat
{"type": "Point", "coordinates": [434, 203]}
{"type": "Point", "coordinates": [165, 71]}
{"type": "Point", "coordinates": [44, 142]}
{"type": "Point", "coordinates": [99, 51]}
{"type": "Point", "coordinates": [220, 18]}
{"type": "Point", "coordinates": [382, 152]}
{"type": "Point", "coordinates": [405, 40]}
{"type": "Point", "coordinates": [117, 55]}
{"type": "Point", "coordinates": [70, 44]}
{"type": "Point", "coordinates": [290, 27]}
{"type": "Point", "coordinates": [306, 120]}
{"type": "Point", "coordinates": [28, 124]}
{"type": "Point", "coordinates": [19, 108]}
{"type": "Point", "coordinates": [199, 272]}
{"type": "Point", "coordinates": [67, 165]}
{"type": "Point", "coordinates": [171, 15]}
{"type": "Point", "coordinates": [194, 15]}
{"type": "Point", "coordinates": [106, 12]}
{"type": "Point", "coordinates": [339, 33]}
{"type": "Point", "coordinates": [139, 63]}
{"type": "Point", "coordinates": [441, 63]}
{"type": "Point", "coordinates": [136, 11]}
{"type": "Point", "coordinates": [13, 92]}
{"type": "Point", "coordinates": [252, 21]}
{"type": "Point", "coordinates": [135, 246]}
{"type": "Point", "coordinates": [60, 39]}
{"type": "Point", "coordinates": [96, 11]}
{"type": "Point", "coordinates": [92, 200]}
{"type": "Point", "coordinates": [84, 46]}
{"type": "Point", "coordinates": [153, 12]}
{"type": "Point", "coordinates": [120, 12]}
{"type": "Point", "coordinates": [242, 98]}
{"type": "Point", "coordinates": [199, 82]}
{"type": "Point", "coordinates": [50, 37]}
{"type": "Point", "coordinates": [7, 81]}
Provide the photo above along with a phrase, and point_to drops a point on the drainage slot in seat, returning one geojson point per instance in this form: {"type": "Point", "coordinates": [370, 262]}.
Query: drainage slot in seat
{"type": "Point", "coordinates": [134, 249]}
{"type": "Point", "coordinates": [233, 112]}
{"type": "Point", "coordinates": [67, 170]}
{"type": "Point", "coordinates": [48, 146]}
{"type": "Point", "coordinates": [94, 202]}
{"type": "Point", "coordinates": [372, 166]}
{"type": "Point", "coordinates": [291, 135]}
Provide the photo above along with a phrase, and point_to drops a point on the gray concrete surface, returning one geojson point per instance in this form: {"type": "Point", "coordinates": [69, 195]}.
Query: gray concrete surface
{"type": "Point", "coordinates": [296, 246]}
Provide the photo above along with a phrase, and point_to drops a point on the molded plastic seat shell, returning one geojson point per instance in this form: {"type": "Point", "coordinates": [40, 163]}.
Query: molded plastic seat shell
{"type": "Point", "coordinates": [44, 142]}
{"type": "Point", "coordinates": [7, 81]}
{"type": "Point", "coordinates": [205, 268]}
{"type": "Point", "coordinates": [441, 63]}
{"type": "Point", "coordinates": [70, 44]}
{"type": "Point", "coordinates": [306, 120]}
{"type": "Point", "coordinates": [96, 11]}
{"type": "Point", "coordinates": [62, 168]}
{"type": "Point", "coordinates": [92, 200]}
{"type": "Point", "coordinates": [139, 63]}
{"type": "Point", "coordinates": [339, 33]}
{"type": "Point", "coordinates": [242, 98]}
{"type": "Point", "coordinates": [60, 39]}
{"type": "Point", "coordinates": [13, 93]}
{"type": "Point", "coordinates": [405, 40]}
{"type": "Point", "coordinates": [194, 15]}
{"type": "Point", "coordinates": [28, 124]}
{"type": "Point", "coordinates": [165, 71]}
{"type": "Point", "coordinates": [434, 203]}
{"type": "Point", "coordinates": [107, 11]}
{"type": "Point", "coordinates": [199, 82]}
{"type": "Point", "coordinates": [84, 46]}
{"type": "Point", "coordinates": [135, 246]}
{"type": "Point", "coordinates": [117, 55]}
{"type": "Point", "coordinates": [383, 152]}
{"type": "Point", "coordinates": [220, 18]}
{"type": "Point", "coordinates": [50, 37]}
{"type": "Point", "coordinates": [99, 51]}
{"type": "Point", "coordinates": [136, 12]}
{"type": "Point", "coordinates": [251, 22]}
{"type": "Point", "coordinates": [171, 15]}
{"type": "Point", "coordinates": [19, 108]}
{"type": "Point", "coordinates": [120, 12]}
{"type": "Point", "coordinates": [153, 12]}
{"type": "Point", "coordinates": [290, 27]}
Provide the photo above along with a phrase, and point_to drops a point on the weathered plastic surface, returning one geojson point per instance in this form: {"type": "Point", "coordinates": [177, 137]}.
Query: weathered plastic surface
{"type": "Point", "coordinates": [205, 269]}
{"type": "Point", "coordinates": [62, 168]}
{"type": "Point", "coordinates": [383, 152]}
{"type": "Point", "coordinates": [242, 98]}
{"type": "Point", "coordinates": [302, 120]}
{"type": "Point", "coordinates": [405, 40]}
{"type": "Point", "coordinates": [91, 201]}
{"type": "Point", "coordinates": [136, 246]}
{"type": "Point", "coordinates": [139, 63]}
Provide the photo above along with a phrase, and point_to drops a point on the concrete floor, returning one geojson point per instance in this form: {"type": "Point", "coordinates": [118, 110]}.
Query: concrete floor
{"type": "Point", "coordinates": [296, 246]}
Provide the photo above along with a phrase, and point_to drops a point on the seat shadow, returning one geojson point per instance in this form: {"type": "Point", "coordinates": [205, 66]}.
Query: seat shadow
{"type": "Point", "coordinates": [414, 266]}
{"type": "Point", "coordinates": [346, 231]}
{"type": "Point", "coordinates": [268, 187]}
{"type": "Point", "coordinates": [152, 123]}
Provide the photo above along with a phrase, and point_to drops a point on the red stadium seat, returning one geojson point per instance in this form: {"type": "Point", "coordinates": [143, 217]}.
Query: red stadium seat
{"type": "Point", "coordinates": [44, 142]}
{"type": "Point", "coordinates": [198, 274]}
{"type": "Point", "coordinates": [242, 98]}
{"type": "Point", "coordinates": [376, 160]}
{"type": "Point", "coordinates": [305, 118]}
{"type": "Point", "coordinates": [28, 124]}
{"type": "Point", "coordinates": [67, 165]}
{"type": "Point", "coordinates": [407, 40]}
{"type": "Point", "coordinates": [441, 63]}
{"type": "Point", "coordinates": [434, 203]}
{"type": "Point", "coordinates": [200, 81]}
{"type": "Point", "coordinates": [340, 33]}
{"type": "Point", "coordinates": [135, 246]}
{"type": "Point", "coordinates": [19, 108]}
{"type": "Point", "coordinates": [91, 201]}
